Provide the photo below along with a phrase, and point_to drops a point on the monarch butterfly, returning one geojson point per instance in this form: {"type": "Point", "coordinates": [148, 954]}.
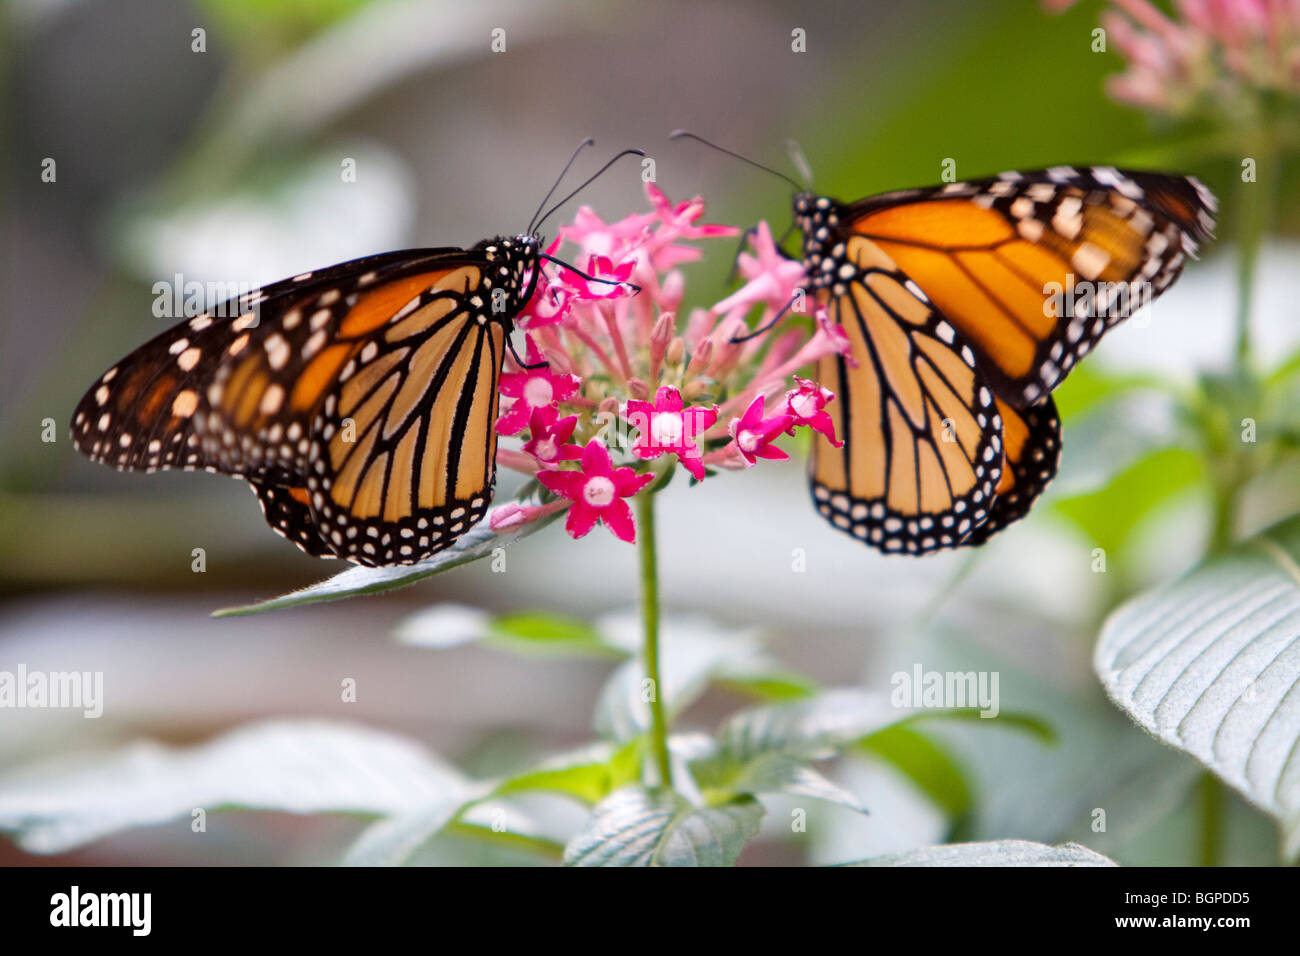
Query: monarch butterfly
{"type": "Point", "coordinates": [964, 305]}
{"type": "Point", "coordinates": [357, 401]}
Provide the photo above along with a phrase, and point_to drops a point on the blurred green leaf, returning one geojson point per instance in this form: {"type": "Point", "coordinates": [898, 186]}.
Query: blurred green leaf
{"type": "Point", "coordinates": [589, 775]}
{"type": "Point", "coordinates": [929, 766]}
{"type": "Point", "coordinates": [542, 628]}
{"type": "Point", "coordinates": [391, 842]}
{"type": "Point", "coordinates": [638, 826]}
{"type": "Point", "coordinates": [1088, 387]}
{"type": "Point", "coordinates": [1210, 664]}
{"type": "Point", "coordinates": [814, 727]}
{"type": "Point", "coordinates": [1034, 726]}
{"type": "Point", "coordinates": [771, 687]}
{"type": "Point", "coordinates": [721, 778]}
{"type": "Point", "coordinates": [304, 766]}
{"type": "Point", "coordinates": [1108, 516]}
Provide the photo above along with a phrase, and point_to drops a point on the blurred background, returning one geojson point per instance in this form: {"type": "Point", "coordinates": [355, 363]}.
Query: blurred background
{"type": "Point", "coordinates": [217, 156]}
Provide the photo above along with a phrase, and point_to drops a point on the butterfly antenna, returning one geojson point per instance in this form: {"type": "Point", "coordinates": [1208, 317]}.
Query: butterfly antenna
{"type": "Point", "coordinates": [592, 178]}
{"type": "Point", "coordinates": [687, 134]}
{"type": "Point", "coordinates": [532, 223]}
{"type": "Point", "coordinates": [766, 326]}
{"type": "Point", "coordinates": [578, 272]}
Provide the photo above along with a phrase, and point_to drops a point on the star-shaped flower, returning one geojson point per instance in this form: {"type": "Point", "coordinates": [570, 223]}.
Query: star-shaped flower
{"type": "Point", "coordinates": [597, 492]}
{"type": "Point", "coordinates": [806, 405]}
{"type": "Point", "coordinates": [547, 434]}
{"type": "Point", "coordinates": [533, 388]}
{"type": "Point", "coordinates": [665, 425]}
{"type": "Point", "coordinates": [754, 434]}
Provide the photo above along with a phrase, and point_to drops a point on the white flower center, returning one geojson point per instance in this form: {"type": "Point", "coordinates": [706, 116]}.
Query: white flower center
{"type": "Point", "coordinates": [598, 491]}
{"type": "Point", "coordinates": [749, 441]}
{"type": "Point", "coordinates": [666, 429]}
{"type": "Point", "coordinates": [538, 392]}
{"type": "Point", "coordinates": [804, 405]}
{"type": "Point", "coordinates": [545, 449]}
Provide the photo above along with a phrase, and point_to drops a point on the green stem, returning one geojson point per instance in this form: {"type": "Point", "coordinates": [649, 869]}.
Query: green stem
{"type": "Point", "coordinates": [1211, 798]}
{"type": "Point", "coordinates": [650, 650]}
{"type": "Point", "coordinates": [1253, 202]}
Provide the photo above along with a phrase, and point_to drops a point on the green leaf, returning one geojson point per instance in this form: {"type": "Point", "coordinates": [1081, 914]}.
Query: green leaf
{"type": "Point", "coordinates": [530, 632]}
{"type": "Point", "coordinates": [637, 826]}
{"type": "Point", "coordinates": [995, 853]}
{"type": "Point", "coordinates": [1089, 387]}
{"type": "Point", "coordinates": [1210, 664]}
{"type": "Point", "coordinates": [478, 542]}
{"type": "Point", "coordinates": [1109, 515]}
{"type": "Point", "coordinates": [925, 763]}
{"type": "Point", "coordinates": [391, 842]}
{"type": "Point", "coordinates": [538, 629]}
{"type": "Point", "coordinates": [765, 679]}
{"type": "Point", "coordinates": [1034, 726]}
{"type": "Point", "coordinates": [813, 727]}
{"type": "Point", "coordinates": [589, 775]}
{"type": "Point", "coordinates": [721, 778]}
{"type": "Point", "coordinates": [302, 766]}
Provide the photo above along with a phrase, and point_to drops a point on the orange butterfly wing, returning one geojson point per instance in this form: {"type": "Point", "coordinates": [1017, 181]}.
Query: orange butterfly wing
{"type": "Point", "coordinates": [1019, 276]}
{"type": "Point", "coordinates": [358, 401]}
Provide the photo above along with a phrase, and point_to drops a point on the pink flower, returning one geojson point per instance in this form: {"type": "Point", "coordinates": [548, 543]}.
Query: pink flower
{"type": "Point", "coordinates": [666, 426]}
{"type": "Point", "coordinates": [771, 278]}
{"type": "Point", "coordinates": [615, 240]}
{"type": "Point", "coordinates": [547, 436]}
{"type": "Point", "coordinates": [533, 388]}
{"type": "Point", "coordinates": [597, 492]}
{"type": "Point", "coordinates": [679, 220]}
{"type": "Point", "coordinates": [516, 515]}
{"type": "Point", "coordinates": [1209, 50]}
{"type": "Point", "coordinates": [611, 279]}
{"type": "Point", "coordinates": [806, 405]}
{"type": "Point", "coordinates": [754, 434]}
{"type": "Point", "coordinates": [550, 305]}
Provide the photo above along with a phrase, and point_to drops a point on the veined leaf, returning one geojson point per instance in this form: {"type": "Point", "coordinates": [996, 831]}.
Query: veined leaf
{"type": "Point", "coordinates": [812, 727]}
{"type": "Point", "coordinates": [1210, 664]}
{"type": "Point", "coordinates": [721, 778]}
{"type": "Point", "coordinates": [478, 542]}
{"type": "Point", "coordinates": [291, 766]}
{"type": "Point", "coordinates": [637, 826]}
{"type": "Point", "coordinates": [995, 853]}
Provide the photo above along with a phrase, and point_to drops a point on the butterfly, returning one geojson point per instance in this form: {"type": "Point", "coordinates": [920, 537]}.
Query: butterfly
{"type": "Point", "coordinates": [358, 401]}
{"type": "Point", "coordinates": [964, 305]}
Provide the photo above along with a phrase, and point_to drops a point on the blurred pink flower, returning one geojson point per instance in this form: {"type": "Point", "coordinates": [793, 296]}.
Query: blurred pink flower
{"type": "Point", "coordinates": [771, 278]}
{"type": "Point", "coordinates": [1210, 51]}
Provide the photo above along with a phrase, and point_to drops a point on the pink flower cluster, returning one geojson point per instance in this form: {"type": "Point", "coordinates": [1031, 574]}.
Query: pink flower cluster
{"type": "Point", "coordinates": [617, 390]}
{"type": "Point", "coordinates": [1217, 50]}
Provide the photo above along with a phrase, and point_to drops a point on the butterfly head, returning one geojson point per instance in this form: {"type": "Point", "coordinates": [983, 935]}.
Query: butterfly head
{"type": "Point", "coordinates": [817, 218]}
{"type": "Point", "coordinates": [512, 266]}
